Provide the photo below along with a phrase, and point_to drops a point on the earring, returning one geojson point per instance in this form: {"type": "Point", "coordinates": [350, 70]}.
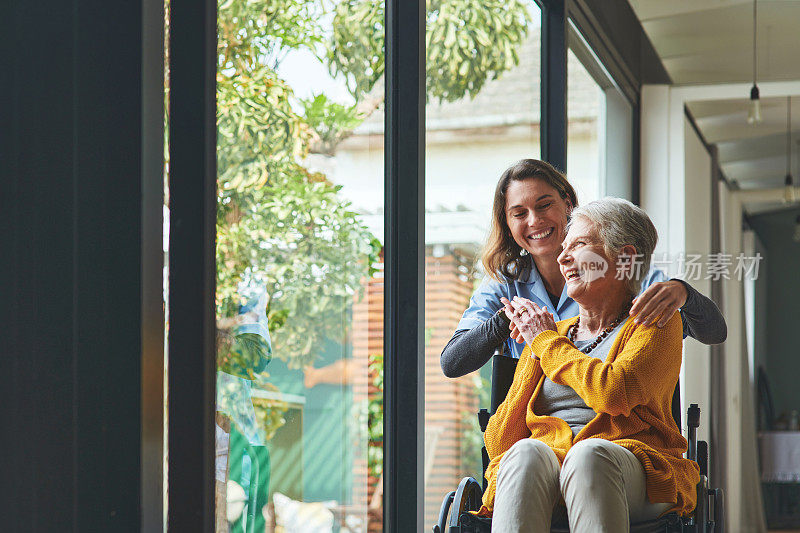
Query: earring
{"type": "Point", "coordinates": [523, 252]}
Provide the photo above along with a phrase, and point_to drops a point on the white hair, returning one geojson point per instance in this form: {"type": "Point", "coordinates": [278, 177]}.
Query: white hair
{"type": "Point", "coordinates": [620, 223]}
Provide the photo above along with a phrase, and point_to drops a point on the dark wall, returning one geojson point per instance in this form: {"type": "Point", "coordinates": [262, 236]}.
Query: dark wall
{"type": "Point", "coordinates": [72, 160]}
{"type": "Point", "coordinates": [781, 267]}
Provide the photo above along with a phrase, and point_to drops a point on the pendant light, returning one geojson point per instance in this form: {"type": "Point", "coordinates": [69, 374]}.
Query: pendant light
{"type": "Point", "coordinates": [754, 115]}
{"type": "Point", "coordinates": [788, 192]}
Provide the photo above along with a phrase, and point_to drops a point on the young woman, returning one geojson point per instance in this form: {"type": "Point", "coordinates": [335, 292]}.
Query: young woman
{"type": "Point", "coordinates": [532, 204]}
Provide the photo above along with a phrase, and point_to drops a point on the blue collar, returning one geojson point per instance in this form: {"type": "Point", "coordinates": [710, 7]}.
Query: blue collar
{"type": "Point", "coordinates": [530, 276]}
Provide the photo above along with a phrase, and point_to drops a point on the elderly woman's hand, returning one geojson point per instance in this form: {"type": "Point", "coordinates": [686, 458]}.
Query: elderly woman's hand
{"type": "Point", "coordinates": [527, 319]}
{"type": "Point", "coordinates": [659, 302]}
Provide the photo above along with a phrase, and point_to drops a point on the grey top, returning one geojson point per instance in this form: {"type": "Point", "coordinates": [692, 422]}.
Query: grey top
{"type": "Point", "coordinates": [562, 401]}
{"type": "Point", "coordinates": [470, 349]}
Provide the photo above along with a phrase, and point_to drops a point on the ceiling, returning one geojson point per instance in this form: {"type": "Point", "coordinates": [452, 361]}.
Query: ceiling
{"type": "Point", "coordinates": [753, 156]}
{"type": "Point", "coordinates": [711, 42]}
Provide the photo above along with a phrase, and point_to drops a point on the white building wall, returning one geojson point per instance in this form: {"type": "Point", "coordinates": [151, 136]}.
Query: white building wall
{"type": "Point", "coordinates": [460, 175]}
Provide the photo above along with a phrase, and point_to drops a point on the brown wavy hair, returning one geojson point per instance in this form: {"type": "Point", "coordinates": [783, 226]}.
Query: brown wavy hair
{"type": "Point", "coordinates": [502, 255]}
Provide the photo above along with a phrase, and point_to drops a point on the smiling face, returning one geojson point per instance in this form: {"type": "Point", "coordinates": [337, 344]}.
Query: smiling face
{"type": "Point", "coordinates": [586, 266]}
{"type": "Point", "coordinates": [536, 215]}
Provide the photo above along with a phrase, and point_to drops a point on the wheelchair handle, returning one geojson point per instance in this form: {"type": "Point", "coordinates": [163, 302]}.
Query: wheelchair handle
{"type": "Point", "coordinates": [693, 416]}
{"type": "Point", "coordinates": [693, 421]}
{"type": "Point", "coordinates": [483, 419]}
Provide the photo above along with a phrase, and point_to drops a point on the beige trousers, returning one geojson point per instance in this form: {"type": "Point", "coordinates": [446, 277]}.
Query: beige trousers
{"type": "Point", "coordinates": [602, 483]}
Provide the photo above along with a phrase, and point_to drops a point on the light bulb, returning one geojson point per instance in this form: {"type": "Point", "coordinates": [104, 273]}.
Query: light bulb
{"type": "Point", "coordinates": [754, 115]}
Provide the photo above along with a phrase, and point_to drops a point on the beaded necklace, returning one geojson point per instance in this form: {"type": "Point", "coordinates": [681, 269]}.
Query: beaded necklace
{"type": "Point", "coordinates": [573, 331]}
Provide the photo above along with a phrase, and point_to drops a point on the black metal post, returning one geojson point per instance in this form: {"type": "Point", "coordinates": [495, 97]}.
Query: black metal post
{"type": "Point", "coordinates": [554, 84]}
{"type": "Point", "coordinates": [192, 327]}
{"type": "Point", "coordinates": [152, 330]}
{"type": "Point", "coordinates": [404, 258]}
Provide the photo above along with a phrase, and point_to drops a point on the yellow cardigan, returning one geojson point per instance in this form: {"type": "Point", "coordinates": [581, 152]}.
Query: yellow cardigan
{"type": "Point", "coordinates": [631, 392]}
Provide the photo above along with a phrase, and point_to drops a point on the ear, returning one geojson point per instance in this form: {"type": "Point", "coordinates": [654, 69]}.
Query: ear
{"type": "Point", "coordinates": [625, 259]}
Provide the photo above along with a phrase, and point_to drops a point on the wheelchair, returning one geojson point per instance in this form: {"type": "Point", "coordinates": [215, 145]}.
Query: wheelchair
{"type": "Point", "coordinates": [707, 517]}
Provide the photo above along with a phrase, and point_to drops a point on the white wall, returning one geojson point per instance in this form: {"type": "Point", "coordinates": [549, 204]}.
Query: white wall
{"type": "Point", "coordinates": [697, 240]}
{"type": "Point", "coordinates": [676, 193]}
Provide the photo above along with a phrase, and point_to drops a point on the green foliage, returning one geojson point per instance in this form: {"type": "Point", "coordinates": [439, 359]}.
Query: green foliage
{"type": "Point", "coordinates": [375, 417]}
{"type": "Point", "coordinates": [254, 33]}
{"type": "Point", "coordinates": [330, 119]}
{"type": "Point", "coordinates": [470, 41]}
{"type": "Point", "coordinates": [467, 42]}
{"type": "Point", "coordinates": [356, 48]}
{"type": "Point", "coordinates": [297, 239]}
{"type": "Point", "coordinates": [258, 133]}
{"type": "Point", "coordinates": [279, 226]}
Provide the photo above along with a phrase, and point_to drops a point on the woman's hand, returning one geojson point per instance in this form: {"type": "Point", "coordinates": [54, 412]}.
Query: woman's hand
{"type": "Point", "coordinates": [659, 302]}
{"type": "Point", "coordinates": [527, 319]}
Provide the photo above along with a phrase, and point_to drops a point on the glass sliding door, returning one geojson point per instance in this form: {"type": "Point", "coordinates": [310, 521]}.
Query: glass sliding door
{"type": "Point", "coordinates": [299, 302]}
{"type": "Point", "coordinates": [482, 115]}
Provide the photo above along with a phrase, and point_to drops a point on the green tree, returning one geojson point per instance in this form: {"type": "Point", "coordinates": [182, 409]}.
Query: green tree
{"type": "Point", "coordinates": [281, 227]}
{"type": "Point", "coordinates": [466, 42]}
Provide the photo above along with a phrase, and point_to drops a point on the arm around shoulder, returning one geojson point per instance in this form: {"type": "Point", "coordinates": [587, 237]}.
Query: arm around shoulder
{"type": "Point", "coordinates": [702, 319]}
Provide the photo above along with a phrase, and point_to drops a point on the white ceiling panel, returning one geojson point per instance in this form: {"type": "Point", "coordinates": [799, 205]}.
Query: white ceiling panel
{"type": "Point", "coordinates": [711, 42]}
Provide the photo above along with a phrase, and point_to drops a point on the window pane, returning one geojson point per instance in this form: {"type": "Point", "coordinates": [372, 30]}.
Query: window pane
{"type": "Point", "coordinates": [299, 273]}
{"type": "Point", "coordinates": [584, 140]}
{"type": "Point", "coordinates": [600, 127]}
{"type": "Point", "coordinates": [482, 116]}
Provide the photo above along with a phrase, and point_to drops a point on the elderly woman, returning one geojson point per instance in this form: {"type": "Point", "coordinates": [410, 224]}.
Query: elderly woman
{"type": "Point", "coordinates": [588, 416]}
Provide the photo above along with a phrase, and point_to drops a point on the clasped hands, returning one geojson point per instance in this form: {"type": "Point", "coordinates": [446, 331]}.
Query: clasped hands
{"type": "Point", "coordinates": [527, 319]}
{"type": "Point", "coordinates": [656, 305]}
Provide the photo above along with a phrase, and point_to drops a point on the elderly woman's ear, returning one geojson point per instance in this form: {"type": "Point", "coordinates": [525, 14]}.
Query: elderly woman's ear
{"type": "Point", "coordinates": [626, 262]}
